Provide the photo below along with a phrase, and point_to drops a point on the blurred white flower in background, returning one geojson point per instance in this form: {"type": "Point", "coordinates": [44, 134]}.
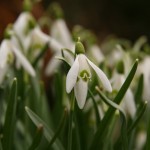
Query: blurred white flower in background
{"type": "Point", "coordinates": [144, 68]}
{"type": "Point", "coordinates": [128, 103]}
{"type": "Point", "coordinates": [60, 37]}
{"type": "Point", "coordinates": [95, 54]}
{"type": "Point", "coordinates": [8, 50]}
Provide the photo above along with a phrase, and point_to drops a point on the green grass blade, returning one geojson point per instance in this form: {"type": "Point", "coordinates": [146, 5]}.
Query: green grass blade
{"type": "Point", "coordinates": [48, 133]}
{"type": "Point", "coordinates": [109, 114]}
{"type": "Point", "coordinates": [37, 138]}
{"type": "Point", "coordinates": [98, 119]}
{"type": "Point", "coordinates": [1, 148]}
{"type": "Point", "coordinates": [40, 55]}
{"type": "Point", "coordinates": [148, 137]}
{"type": "Point", "coordinates": [140, 111]}
{"type": "Point", "coordinates": [139, 90]}
{"type": "Point", "coordinates": [62, 122]}
{"type": "Point", "coordinates": [122, 117]}
{"type": "Point", "coordinates": [10, 118]}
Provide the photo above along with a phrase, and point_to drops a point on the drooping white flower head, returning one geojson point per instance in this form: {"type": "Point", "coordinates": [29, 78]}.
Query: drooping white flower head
{"type": "Point", "coordinates": [79, 75]}
{"type": "Point", "coordinates": [128, 102]}
{"type": "Point", "coordinates": [60, 37]}
{"type": "Point", "coordinates": [96, 54]}
{"type": "Point", "coordinates": [38, 39]}
{"type": "Point", "coordinates": [6, 49]}
{"type": "Point", "coordinates": [119, 54]}
{"type": "Point", "coordinates": [23, 24]}
{"type": "Point", "coordinates": [144, 68]}
{"type": "Point", "coordinates": [61, 33]}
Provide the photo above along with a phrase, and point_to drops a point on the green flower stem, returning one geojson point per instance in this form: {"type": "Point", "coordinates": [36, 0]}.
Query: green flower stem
{"type": "Point", "coordinates": [58, 130]}
{"type": "Point", "coordinates": [140, 111]}
{"type": "Point", "coordinates": [98, 119]}
{"type": "Point", "coordinates": [10, 119]}
{"type": "Point", "coordinates": [37, 138]}
{"type": "Point", "coordinates": [122, 117]}
{"type": "Point", "coordinates": [1, 148]}
{"type": "Point", "coordinates": [148, 137]}
{"type": "Point", "coordinates": [69, 146]}
{"type": "Point", "coordinates": [41, 54]}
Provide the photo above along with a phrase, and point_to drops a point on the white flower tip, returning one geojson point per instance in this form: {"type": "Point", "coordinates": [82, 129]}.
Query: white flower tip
{"type": "Point", "coordinates": [33, 74]}
{"type": "Point", "coordinates": [109, 88]}
{"type": "Point", "coordinates": [137, 60]}
{"type": "Point", "coordinates": [68, 89]}
{"type": "Point", "coordinates": [146, 102]}
{"type": "Point", "coordinates": [15, 79]}
{"type": "Point", "coordinates": [26, 108]}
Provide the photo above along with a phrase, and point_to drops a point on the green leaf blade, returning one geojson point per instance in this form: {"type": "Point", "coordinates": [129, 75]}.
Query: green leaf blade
{"type": "Point", "coordinates": [10, 118]}
{"type": "Point", "coordinates": [48, 133]}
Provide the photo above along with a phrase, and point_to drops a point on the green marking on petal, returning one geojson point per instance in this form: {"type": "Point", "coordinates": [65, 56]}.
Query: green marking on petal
{"type": "Point", "coordinates": [85, 75]}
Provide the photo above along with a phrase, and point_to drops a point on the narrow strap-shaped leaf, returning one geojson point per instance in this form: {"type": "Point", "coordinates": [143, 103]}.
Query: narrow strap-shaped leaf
{"type": "Point", "coordinates": [148, 137]}
{"type": "Point", "coordinates": [122, 116]}
{"type": "Point", "coordinates": [1, 148]}
{"type": "Point", "coordinates": [10, 118]}
{"type": "Point", "coordinates": [37, 138]}
{"type": "Point", "coordinates": [68, 50]}
{"type": "Point", "coordinates": [48, 133]}
{"type": "Point", "coordinates": [109, 114]}
{"type": "Point", "coordinates": [71, 117]}
{"type": "Point", "coordinates": [64, 60]}
{"type": "Point", "coordinates": [139, 90]}
{"type": "Point", "coordinates": [140, 111]}
{"type": "Point", "coordinates": [58, 129]}
{"type": "Point", "coordinates": [95, 108]}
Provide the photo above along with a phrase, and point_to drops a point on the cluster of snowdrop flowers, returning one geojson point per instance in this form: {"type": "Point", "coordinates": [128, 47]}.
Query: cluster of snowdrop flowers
{"type": "Point", "coordinates": [60, 38]}
{"type": "Point", "coordinates": [79, 75]}
{"type": "Point", "coordinates": [128, 102]}
{"type": "Point", "coordinates": [27, 39]}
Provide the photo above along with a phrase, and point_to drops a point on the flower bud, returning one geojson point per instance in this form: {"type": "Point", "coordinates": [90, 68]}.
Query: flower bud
{"type": "Point", "coordinates": [79, 48]}
{"type": "Point", "coordinates": [8, 32]}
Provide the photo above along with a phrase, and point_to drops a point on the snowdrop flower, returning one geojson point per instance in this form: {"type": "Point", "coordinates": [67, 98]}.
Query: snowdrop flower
{"type": "Point", "coordinates": [23, 25]}
{"type": "Point", "coordinates": [79, 75]}
{"type": "Point", "coordinates": [144, 67]}
{"type": "Point", "coordinates": [60, 38]}
{"type": "Point", "coordinates": [127, 103]}
{"type": "Point", "coordinates": [96, 54]}
{"type": "Point", "coordinates": [38, 38]}
{"type": "Point", "coordinates": [60, 32]}
{"type": "Point", "coordinates": [7, 49]}
{"type": "Point", "coordinates": [119, 54]}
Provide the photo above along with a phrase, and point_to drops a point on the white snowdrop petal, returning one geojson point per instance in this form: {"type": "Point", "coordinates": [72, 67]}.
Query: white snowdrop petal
{"type": "Point", "coordinates": [96, 54]}
{"type": "Point", "coordinates": [130, 104]}
{"type": "Point", "coordinates": [55, 45]}
{"type": "Point", "coordinates": [39, 37]}
{"type": "Point", "coordinates": [24, 62]}
{"type": "Point", "coordinates": [101, 75]}
{"type": "Point", "coordinates": [80, 90]}
{"type": "Point", "coordinates": [84, 64]}
{"type": "Point", "coordinates": [59, 30]}
{"type": "Point", "coordinates": [52, 66]}
{"type": "Point", "coordinates": [21, 24]}
{"type": "Point", "coordinates": [4, 51]}
{"type": "Point", "coordinates": [72, 76]}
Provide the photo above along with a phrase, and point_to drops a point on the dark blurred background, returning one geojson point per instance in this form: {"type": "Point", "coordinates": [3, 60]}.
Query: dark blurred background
{"type": "Point", "coordinates": [123, 18]}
